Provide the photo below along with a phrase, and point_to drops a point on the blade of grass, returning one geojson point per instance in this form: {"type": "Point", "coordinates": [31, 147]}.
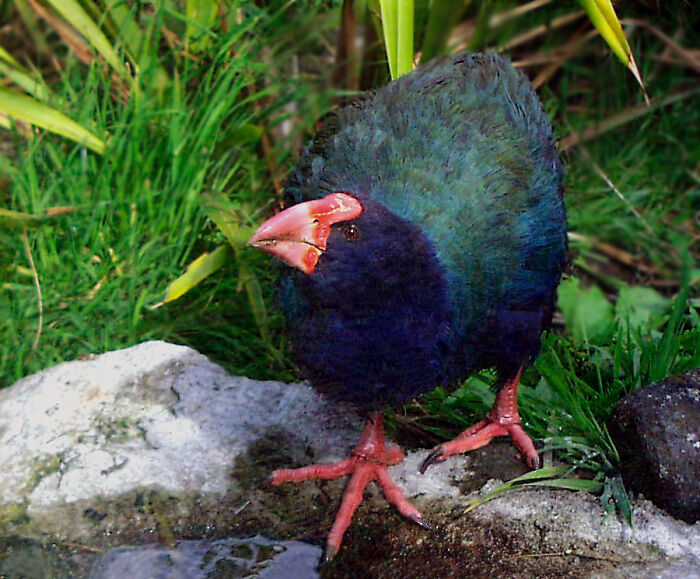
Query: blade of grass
{"type": "Point", "coordinates": [20, 220]}
{"type": "Point", "coordinates": [540, 30]}
{"type": "Point", "coordinates": [229, 221]}
{"type": "Point", "coordinates": [570, 50]}
{"type": "Point", "coordinates": [68, 34]}
{"type": "Point", "coordinates": [570, 484]}
{"type": "Point", "coordinates": [663, 358]}
{"type": "Point", "coordinates": [507, 15]}
{"type": "Point", "coordinates": [7, 57]}
{"type": "Point", "coordinates": [533, 478]}
{"type": "Point", "coordinates": [689, 57]}
{"type": "Point", "coordinates": [624, 117]}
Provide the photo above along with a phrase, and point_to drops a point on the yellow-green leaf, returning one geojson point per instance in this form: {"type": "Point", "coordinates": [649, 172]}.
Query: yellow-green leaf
{"type": "Point", "coordinates": [518, 482]}
{"type": "Point", "coordinates": [603, 17]}
{"type": "Point", "coordinates": [20, 220]}
{"type": "Point", "coordinates": [27, 109]}
{"type": "Point", "coordinates": [198, 270]}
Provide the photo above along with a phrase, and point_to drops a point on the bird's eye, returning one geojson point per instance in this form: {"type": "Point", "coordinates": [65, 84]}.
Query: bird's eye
{"type": "Point", "coordinates": [351, 233]}
{"type": "Point", "coordinates": [288, 199]}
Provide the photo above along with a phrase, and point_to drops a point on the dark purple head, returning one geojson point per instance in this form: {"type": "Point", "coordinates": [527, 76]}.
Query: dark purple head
{"type": "Point", "coordinates": [369, 318]}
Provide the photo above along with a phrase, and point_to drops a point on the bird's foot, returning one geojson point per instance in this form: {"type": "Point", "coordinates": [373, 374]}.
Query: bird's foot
{"type": "Point", "coordinates": [502, 420]}
{"type": "Point", "coordinates": [480, 435]}
{"type": "Point", "coordinates": [368, 462]}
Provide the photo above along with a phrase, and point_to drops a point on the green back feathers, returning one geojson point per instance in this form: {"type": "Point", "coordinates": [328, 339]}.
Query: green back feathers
{"type": "Point", "coordinates": [462, 148]}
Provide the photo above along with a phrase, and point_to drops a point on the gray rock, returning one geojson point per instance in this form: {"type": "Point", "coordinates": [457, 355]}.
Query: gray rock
{"type": "Point", "coordinates": [78, 436]}
{"type": "Point", "coordinates": [657, 433]}
{"type": "Point", "coordinates": [155, 444]}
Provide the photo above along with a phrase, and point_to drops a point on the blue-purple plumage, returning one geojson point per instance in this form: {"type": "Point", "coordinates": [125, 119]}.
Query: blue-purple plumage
{"type": "Point", "coordinates": [460, 245]}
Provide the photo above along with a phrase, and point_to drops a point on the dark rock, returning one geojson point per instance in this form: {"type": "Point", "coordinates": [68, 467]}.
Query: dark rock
{"type": "Point", "coordinates": [657, 433]}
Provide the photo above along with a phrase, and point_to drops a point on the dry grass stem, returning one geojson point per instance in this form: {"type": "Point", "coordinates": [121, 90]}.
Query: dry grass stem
{"type": "Point", "coordinates": [40, 300]}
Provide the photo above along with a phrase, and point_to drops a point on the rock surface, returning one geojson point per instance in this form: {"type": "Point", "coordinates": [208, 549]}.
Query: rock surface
{"type": "Point", "coordinates": [156, 445]}
{"type": "Point", "coordinates": [657, 433]}
{"type": "Point", "coordinates": [82, 441]}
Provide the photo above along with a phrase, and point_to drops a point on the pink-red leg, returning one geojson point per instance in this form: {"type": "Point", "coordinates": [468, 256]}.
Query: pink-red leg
{"type": "Point", "coordinates": [368, 462]}
{"type": "Point", "coordinates": [502, 420]}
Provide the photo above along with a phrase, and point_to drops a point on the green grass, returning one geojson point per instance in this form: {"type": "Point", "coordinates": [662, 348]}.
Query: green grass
{"type": "Point", "coordinates": [226, 120]}
{"type": "Point", "coordinates": [138, 215]}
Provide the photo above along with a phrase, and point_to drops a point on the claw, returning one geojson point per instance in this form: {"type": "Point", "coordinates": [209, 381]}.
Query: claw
{"type": "Point", "coordinates": [331, 551]}
{"type": "Point", "coordinates": [433, 458]}
{"type": "Point", "coordinates": [419, 520]}
{"type": "Point", "coordinates": [534, 462]}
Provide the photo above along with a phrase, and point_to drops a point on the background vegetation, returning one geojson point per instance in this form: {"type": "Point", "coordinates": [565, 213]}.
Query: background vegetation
{"type": "Point", "coordinates": [171, 125]}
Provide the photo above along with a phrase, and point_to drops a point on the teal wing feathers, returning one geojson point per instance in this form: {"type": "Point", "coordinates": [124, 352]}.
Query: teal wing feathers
{"type": "Point", "coordinates": [465, 150]}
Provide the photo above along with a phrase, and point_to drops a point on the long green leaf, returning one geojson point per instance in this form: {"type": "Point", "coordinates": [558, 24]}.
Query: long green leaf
{"type": "Point", "coordinates": [404, 47]}
{"type": "Point", "coordinates": [570, 484]}
{"type": "Point", "coordinates": [73, 13]}
{"type": "Point", "coordinates": [389, 12]}
{"type": "Point", "coordinates": [227, 219]}
{"type": "Point", "coordinates": [255, 298]}
{"type": "Point", "coordinates": [7, 57]}
{"type": "Point", "coordinates": [29, 110]}
{"type": "Point", "coordinates": [535, 475]}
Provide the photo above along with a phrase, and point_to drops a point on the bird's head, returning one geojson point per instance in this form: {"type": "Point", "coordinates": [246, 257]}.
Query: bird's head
{"type": "Point", "coordinates": [365, 292]}
{"type": "Point", "coordinates": [299, 234]}
{"type": "Point", "coordinates": [357, 254]}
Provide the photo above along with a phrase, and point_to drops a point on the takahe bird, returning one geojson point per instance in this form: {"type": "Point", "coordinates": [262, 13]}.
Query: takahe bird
{"type": "Point", "coordinates": [425, 233]}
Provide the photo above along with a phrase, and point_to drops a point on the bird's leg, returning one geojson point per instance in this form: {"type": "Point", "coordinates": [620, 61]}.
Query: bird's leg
{"type": "Point", "coordinates": [502, 420]}
{"type": "Point", "coordinates": [368, 461]}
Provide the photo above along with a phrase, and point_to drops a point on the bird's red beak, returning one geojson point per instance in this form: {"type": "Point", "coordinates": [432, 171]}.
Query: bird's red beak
{"type": "Point", "coordinates": [298, 235]}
